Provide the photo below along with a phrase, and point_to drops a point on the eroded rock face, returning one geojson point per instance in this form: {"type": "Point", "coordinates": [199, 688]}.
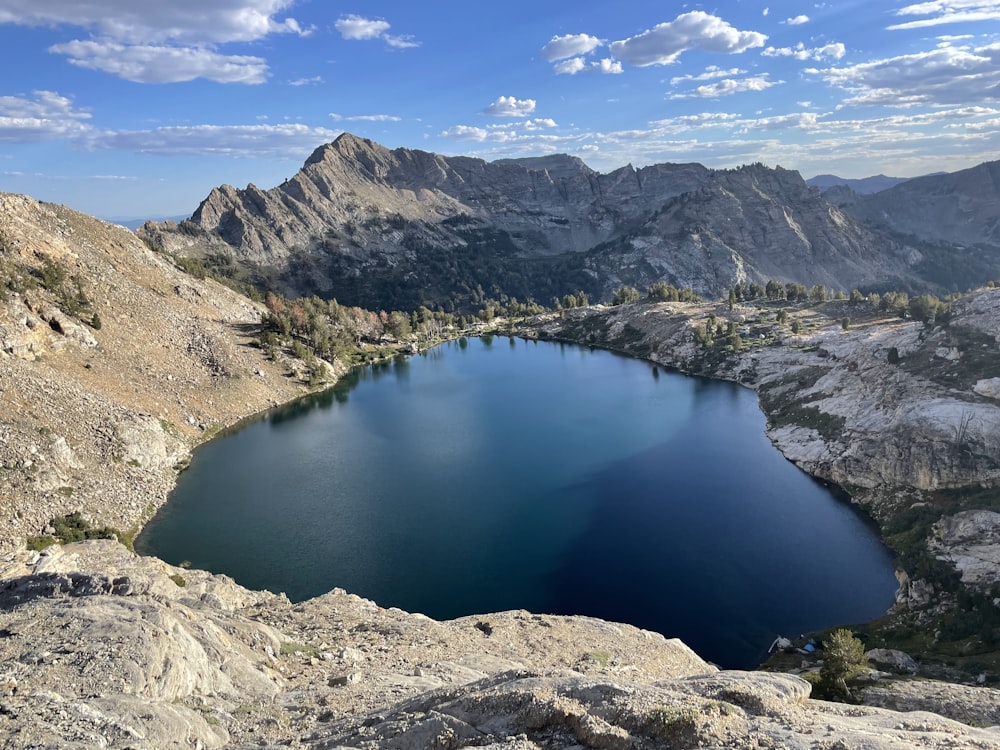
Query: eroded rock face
{"type": "Point", "coordinates": [727, 709]}
{"type": "Point", "coordinates": [100, 648]}
{"type": "Point", "coordinates": [145, 442]}
{"type": "Point", "coordinates": [971, 541]}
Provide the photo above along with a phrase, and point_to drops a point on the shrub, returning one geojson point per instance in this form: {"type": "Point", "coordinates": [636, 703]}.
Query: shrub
{"type": "Point", "coordinates": [843, 658]}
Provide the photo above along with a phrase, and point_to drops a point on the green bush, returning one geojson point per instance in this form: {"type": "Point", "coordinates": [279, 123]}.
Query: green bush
{"type": "Point", "coordinates": [74, 528]}
{"type": "Point", "coordinates": [843, 659]}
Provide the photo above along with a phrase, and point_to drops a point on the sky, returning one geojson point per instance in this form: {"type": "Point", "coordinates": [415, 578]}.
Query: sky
{"type": "Point", "coordinates": [130, 109]}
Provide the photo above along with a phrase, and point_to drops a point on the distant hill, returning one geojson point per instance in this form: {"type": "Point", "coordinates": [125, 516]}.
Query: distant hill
{"type": "Point", "coordinates": [134, 223]}
{"type": "Point", "coordinates": [961, 208]}
{"type": "Point", "coordinates": [863, 186]}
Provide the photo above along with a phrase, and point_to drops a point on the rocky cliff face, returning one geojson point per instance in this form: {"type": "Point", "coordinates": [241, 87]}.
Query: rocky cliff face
{"type": "Point", "coordinates": [531, 227]}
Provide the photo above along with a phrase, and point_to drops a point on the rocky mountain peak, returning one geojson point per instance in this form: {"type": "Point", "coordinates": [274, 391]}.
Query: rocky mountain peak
{"type": "Point", "coordinates": [556, 165]}
{"type": "Point", "coordinates": [358, 210]}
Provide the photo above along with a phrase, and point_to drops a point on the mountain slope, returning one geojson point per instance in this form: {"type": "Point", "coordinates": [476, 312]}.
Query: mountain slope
{"type": "Point", "coordinates": [957, 208]}
{"type": "Point", "coordinates": [113, 363]}
{"type": "Point", "coordinates": [401, 228]}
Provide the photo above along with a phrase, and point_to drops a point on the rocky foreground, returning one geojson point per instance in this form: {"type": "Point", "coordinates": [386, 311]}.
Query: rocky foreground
{"type": "Point", "coordinates": [100, 648]}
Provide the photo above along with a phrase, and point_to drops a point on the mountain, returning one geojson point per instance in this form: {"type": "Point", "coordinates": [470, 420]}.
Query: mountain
{"type": "Point", "coordinates": [863, 186]}
{"type": "Point", "coordinates": [960, 207]}
{"type": "Point", "coordinates": [399, 228]}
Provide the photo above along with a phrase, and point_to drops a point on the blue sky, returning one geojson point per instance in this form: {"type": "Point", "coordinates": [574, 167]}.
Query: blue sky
{"type": "Point", "coordinates": [123, 108]}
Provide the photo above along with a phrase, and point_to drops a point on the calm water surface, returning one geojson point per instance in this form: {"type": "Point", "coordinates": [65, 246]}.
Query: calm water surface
{"type": "Point", "coordinates": [501, 474]}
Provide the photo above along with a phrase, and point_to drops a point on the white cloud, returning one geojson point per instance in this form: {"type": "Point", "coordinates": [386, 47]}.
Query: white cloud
{"type": "Point", "coordinates": [538, 123]}
{"type": "Point", "coordinates": [509, 132]}
{"type": "Point", "coordinates": [508, 106]}
{"type": "Point", "coordinates": [797, 21]}
{"type": "Point", "coordinates": [664, 43]}
{"type": "Point", "coordinates": [728, 87]}
{"type": "Point", "coordinates": [943, 76]}
{"type": "Point", "coordinates": [160, 42]}
{"type": "Point", "coordinates": [45, 117]}
{"type": "Point", "coordinates": [947, 11]}
{"type": "Point", "coordinates": [570, 45]}
{"type": "Point", "coordinates": [244, 141]}
{"type": "Point", "coordinates": [712, 72]}
{"type": "Point", "coordinates": [405, 41]}
{"type": "Point", "coordinates": [608, 66]}
{"type": "Point", "coordinates": [466, 133]}
{"type": "Point", "coordinates": [163, 64]}
{"type": "Point", "coordinates": [192, 22]}
{"type": "Point", "coordinates": [571, 66]}
{"type": "Point", "coordinates": [366, 118]}
{"type": "Point", "coordinates": [356, 27]}
{"type": "Point", "coordinates": [767, 12]}
{"type": "Point", "coordinates": [833, 51]}
{"type": "Point", "coordinates": [306, 81]}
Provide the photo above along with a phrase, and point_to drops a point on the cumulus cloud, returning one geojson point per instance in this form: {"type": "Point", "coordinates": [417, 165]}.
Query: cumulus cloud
{"type": "Point", "coordinates": [833, 51]}
{"type": "Point", "coordinates": [943, 76]}
{"type": "Point", "coordinates": [664, 43]}
{"type": "Point", "coordinates": [356, 27]}
{"type": "Point", "coordinates": [508, 106]}
{"type": "Point", "coordinates": [45, 116]}
{"type": "Point", "coordinates": [570, 45]}
{"type": "Point", "coordinates": [183, 21]}
{"type": "Point", "coordinates": [797, 21]}
{"type": "Point", "coordinates": [570, 67]}
{"type": "Point", "coordinates": [607, 66]}
{"type": "Point", "coordinates": [941, 12]}
{"type": "Point", "coordinates": [246, 141]}
{"type": "Point", "coordinates": [508, 132]}
{"type": "Point", "coordinates": [728, 87]}
{"type": "Point", "coordinates": [143, 63]}
{"type": "Point", "coordinates": [306, 81]}
{"type": "Point", "coordinates": [466, 133]}
{"type": "Point", "coordinates": [160, 42]}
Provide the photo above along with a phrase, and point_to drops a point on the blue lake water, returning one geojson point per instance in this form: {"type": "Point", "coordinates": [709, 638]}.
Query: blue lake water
{"type": "Point", "coordinates": [493, 474]}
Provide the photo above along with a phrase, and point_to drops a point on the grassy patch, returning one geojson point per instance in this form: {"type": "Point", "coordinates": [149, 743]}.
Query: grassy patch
{"type": "Point", "coordinates": [599, 657]}
{"type": "Point", "coordinates": [75, 528]}
{"type": "Point", "coordinates": [290, 648]}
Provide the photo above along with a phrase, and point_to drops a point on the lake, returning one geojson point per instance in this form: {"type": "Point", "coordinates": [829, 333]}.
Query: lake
{"type": "Point", "coordinates": [493, 474]}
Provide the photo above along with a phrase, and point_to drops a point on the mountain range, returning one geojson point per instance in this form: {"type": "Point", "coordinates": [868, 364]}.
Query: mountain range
{"type": "Point", "coordinates": [395, 229]}
{"type": "Point", "coordinates": [862, 186]}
